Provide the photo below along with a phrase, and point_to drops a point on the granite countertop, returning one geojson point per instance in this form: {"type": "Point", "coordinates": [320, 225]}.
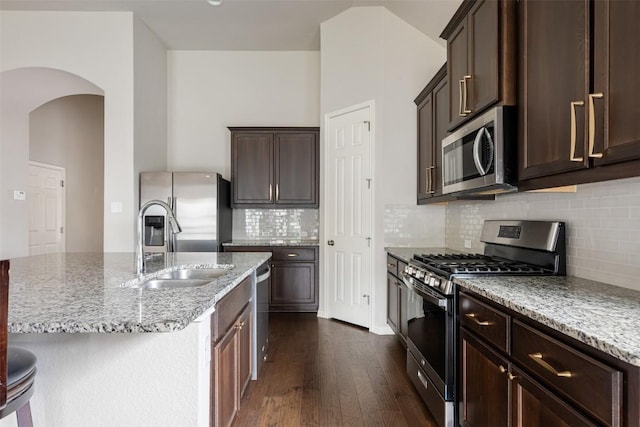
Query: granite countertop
{"type": "Point", "coordinates": [273, 242]}
{"type": "Point", "coordinates": [82, 292]}
{"type": "Point", "coordinates": [603, 316]}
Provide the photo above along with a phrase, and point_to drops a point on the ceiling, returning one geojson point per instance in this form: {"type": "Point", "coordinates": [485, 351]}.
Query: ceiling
{"type": "Point", "coordinates": [248, 24]}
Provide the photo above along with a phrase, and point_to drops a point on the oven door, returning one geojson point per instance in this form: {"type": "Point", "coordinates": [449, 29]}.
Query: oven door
{"type": "Point", "coordinates": [431, 343]}
{"type": "Point", "coordinates": [431, 336]}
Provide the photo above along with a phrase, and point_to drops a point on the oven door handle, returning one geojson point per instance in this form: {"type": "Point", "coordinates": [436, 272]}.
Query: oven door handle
{"type": "Point", "coordinates": [434, 299]}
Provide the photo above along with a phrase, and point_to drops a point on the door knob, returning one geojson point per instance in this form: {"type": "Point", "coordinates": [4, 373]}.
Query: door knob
{"type": "Point", "coordinates": [331, 242]}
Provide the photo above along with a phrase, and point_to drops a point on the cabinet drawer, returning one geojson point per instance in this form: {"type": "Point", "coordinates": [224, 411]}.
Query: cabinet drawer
{"type": "Point", "coordinates": [485, 321]}
{"type": "Point", "coordinates": [293, 254]}
{"type": "Point", "coordinates": [228, 309]}
{"type": "Point", "coordinates": [594, 386]}
{"type": "Point", "coordinates": [392, 265]}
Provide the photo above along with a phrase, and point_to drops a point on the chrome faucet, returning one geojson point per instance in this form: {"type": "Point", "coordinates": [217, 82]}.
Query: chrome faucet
{"type": "Point", "coordinates": [173, 223]}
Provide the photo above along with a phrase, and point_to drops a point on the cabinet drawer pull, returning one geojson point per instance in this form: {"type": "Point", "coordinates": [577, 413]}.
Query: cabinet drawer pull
{"type": "Point", "coordinates": [474, 317]}
{"type": "Point", "coordinates": [430, 179]}
{"type": "Point", "coordinates": [511, 376]}
{"type": "Point", "coordinates": [502, 369]}
{"type": "Point", "coordinates": [277, 192]}
{"type": "Point", "coordinates": [292, 255]}
{"type": "Point", "coordinates": [270, 193]}
{"type": "Point", "coordinates": [423, 380]}
{"type": "Point", "coordinates": [537, 357]}
{"type": "Point", "coordinates": [572, 154]}
{"type": "Point", "coordinates": [592, 124]}
{"type": "Point", "coordinates": [389, 265]}
{"type": "Point", "coordinates": [465, 109]}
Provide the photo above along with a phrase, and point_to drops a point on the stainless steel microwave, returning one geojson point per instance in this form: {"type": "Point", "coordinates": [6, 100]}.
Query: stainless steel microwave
{"type": "Point", "coordinates": [480, 157]}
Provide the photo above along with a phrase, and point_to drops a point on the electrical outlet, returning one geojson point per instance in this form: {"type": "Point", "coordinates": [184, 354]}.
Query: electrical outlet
{"type": "Point", "coordinates": [467, 243]}
{"type": "Point", "coordinates": [19, 195]}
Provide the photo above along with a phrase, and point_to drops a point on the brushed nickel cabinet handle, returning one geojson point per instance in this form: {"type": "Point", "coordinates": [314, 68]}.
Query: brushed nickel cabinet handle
{"type": "Point", "coordinates": [430, 179]}
{"type": "Point", "coordinates": [389, 265]}
{"type": "Point", "coordinates": [511, 376]}
{"type": "Point", "coordinates": [572, 154]}
{"type": "Point", "coordinates": [537, 357]}
{"type": "Point", "coordinates": [465, 108]}
{"type": "Point", "coordinates": [423, 380]}
{"type": "Point", "coordinates": [270, 193]}
{"type": "Point", "coordinates": [277, 192]}
{"type": "Point", "coordinates": [460, 95]}
{"type": "Point", "coordinates": [502, 369]}
{"type": "Point", "coordinates": [427, 179]}
{"type": "Point", "coordinates": [474, 317]}
{"type": "Point", "coordinates": [592, 124]}
{"type": "Point", "coordinates": [292, 255]}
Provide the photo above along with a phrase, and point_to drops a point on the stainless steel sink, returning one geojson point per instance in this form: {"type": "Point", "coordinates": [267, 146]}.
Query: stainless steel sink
{"type": "Point", "coordinates": [157, 283]}
{"type": "Point", "coordinates": [194, 273]}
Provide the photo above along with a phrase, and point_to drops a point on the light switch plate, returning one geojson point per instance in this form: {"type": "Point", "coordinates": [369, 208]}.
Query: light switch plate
{"type": "Point", "coordinates": [19, 195]}
{"type": "Point", "coordinates": [116, 207]}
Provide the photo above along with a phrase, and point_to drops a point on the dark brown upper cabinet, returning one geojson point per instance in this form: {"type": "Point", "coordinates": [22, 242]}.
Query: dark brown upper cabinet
{"type": "Point", "coordinates": [433, 113]}
{"type": "Point", "coordinates": [274, 167]}
{"type": "Point", "coordinates": [578, 115]}
{"type": "Point", "coordinates": [481, 43]}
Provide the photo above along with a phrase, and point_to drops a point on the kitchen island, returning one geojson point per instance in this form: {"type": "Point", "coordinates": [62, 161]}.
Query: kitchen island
{"type": "Point", "coordinates": [113, 355]}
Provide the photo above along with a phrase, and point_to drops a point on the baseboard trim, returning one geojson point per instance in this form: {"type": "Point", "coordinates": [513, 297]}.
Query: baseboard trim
{"type": "Point", "coordinates": [323, 314]}
{"type": "Point", "coordinates": [381, 330]}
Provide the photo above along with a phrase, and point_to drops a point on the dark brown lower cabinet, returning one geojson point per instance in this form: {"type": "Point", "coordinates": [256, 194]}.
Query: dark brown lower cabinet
{"type": "Point", "coordinates": [231, 368]}
{"type": "Point", "coordinates": [535, 406]}
{"type": "Point", "coordinates": [516, 372]}
{"type": "Point", "coordinates": [294, 276]}
{"type": "Point", "coordinates": [393, 306]}
{"type": "Point", "coordinates": [485, 385]}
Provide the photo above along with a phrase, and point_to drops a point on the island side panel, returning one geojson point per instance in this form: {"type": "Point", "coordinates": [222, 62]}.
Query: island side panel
{"type": "Point", "coordinates": [159, 379]}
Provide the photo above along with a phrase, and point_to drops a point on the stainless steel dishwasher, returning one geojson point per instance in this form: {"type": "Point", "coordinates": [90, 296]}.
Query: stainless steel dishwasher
{"type": "Point", "coordinates": [263, 280]}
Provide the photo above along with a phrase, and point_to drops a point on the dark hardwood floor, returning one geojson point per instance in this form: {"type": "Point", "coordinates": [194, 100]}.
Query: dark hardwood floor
{"type": "Point", "coordinates": [327, 373]}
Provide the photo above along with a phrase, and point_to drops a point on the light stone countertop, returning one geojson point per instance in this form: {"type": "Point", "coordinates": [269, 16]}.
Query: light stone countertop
{"type": "Point", "coordinates": [603, 316]}
{"type": "Point", "coordinates": [82, 292]}
{"type": "Point", "coordinates": [273, 242]}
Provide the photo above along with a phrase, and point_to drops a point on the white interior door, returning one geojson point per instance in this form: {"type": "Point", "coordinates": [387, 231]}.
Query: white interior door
{"type": "Point", "coordinates": [348, 215]}
{"type": "Point", "coordinates": [45, 196]}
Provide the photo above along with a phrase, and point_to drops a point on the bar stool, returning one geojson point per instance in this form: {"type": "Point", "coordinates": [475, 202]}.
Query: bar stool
{"type": "Point", "coordinates": [17, 366]}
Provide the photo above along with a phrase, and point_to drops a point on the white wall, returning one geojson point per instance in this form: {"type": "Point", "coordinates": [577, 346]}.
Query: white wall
{"type": "Point", "coordinates": [367, 53]}
{"type": "Point", "coordinates": [603, 226]}
{"type": "Point", "coordinates": [150, 103]}
{"type": "Point", "coordinates": [99, 48]}
{"type": "Point", "coordinates": [209, 91]}
{"type": "Point", "coordinates": [69, 132]}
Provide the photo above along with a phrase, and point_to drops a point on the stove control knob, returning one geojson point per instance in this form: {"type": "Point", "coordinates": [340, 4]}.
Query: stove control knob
{"type": "Point", "coordinates": [435, 282]}
{"type": "Point", "coordinates": [420, 274]}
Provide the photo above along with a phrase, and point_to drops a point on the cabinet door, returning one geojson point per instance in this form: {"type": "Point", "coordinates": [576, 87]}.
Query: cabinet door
{"type": "Point", "coordinates": [393, 303]}
{"type": "Point", "coordinates": [252, 167]}
{"type": "Point", "coordinates": [534, 406]}
{"type": "Point", "coordinates": [293, 286]}
{"type": "Point", "coordinates": [484, 385]}
{"type": "Point", "coordinates": [245, 332]}
{"type": "Point", "coordinates": [226, 395]}
{"type": "Point", "coordinates": [425, 148]}
{"type": "Point", "coordinates": [296, 168]}
{"type": "Point", "coordinates": [457, 57]}
{"type": "Point", "coordinates": [440, 123]}
{"type": "Point", "coordinates": [554, 53]}
{"type": "Point", "coordinates": [483, 86]}
{"type": "Point", "coordinates": [616, 69]}
{"type": "Point", "coordinates": [403, 318]}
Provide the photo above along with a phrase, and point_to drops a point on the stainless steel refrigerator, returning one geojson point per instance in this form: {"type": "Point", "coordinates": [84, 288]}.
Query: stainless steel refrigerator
{"type": "Point", "coordinates": [201, 202]}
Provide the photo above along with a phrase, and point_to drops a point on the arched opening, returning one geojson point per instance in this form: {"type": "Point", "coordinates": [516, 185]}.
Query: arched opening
{"type": "Point", "coordinates": [41, 110]}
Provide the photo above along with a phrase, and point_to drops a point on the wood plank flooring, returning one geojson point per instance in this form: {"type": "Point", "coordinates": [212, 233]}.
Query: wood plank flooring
{"type": "Point", "coordinates": [327, 373]}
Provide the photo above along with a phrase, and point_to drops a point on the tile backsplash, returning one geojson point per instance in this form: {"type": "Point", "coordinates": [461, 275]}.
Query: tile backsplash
{"type": "Point", "coordinates": [251, 224]}
{"type": "Point", "coordinates": [602, 220]}
{"type": "Point", "coordinates": [414, 226]}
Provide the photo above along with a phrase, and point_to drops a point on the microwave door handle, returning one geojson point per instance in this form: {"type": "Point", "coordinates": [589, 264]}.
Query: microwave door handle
{"type": "Point", "coordinates": [477, 143]}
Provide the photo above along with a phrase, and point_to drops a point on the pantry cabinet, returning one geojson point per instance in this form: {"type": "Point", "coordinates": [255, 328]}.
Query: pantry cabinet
{"type": "Point", "coordinates": [480, 57]}
{"type": "Point", "coordinates": [578, 112]}
{"type": "Point", "coordinates": [274, 167]}
{"type": "Point", "coordinates": [516, 372]}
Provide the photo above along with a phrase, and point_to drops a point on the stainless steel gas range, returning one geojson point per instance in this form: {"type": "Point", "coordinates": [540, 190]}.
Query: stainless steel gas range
{"type": "Point", "coordinates": [511, 248]}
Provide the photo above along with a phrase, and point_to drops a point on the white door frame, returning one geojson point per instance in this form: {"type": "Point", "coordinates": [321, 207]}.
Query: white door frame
{"type": "Point", "coordinates": [325, 310]}
{"type": "Point", "coordinates": [63, 199]}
